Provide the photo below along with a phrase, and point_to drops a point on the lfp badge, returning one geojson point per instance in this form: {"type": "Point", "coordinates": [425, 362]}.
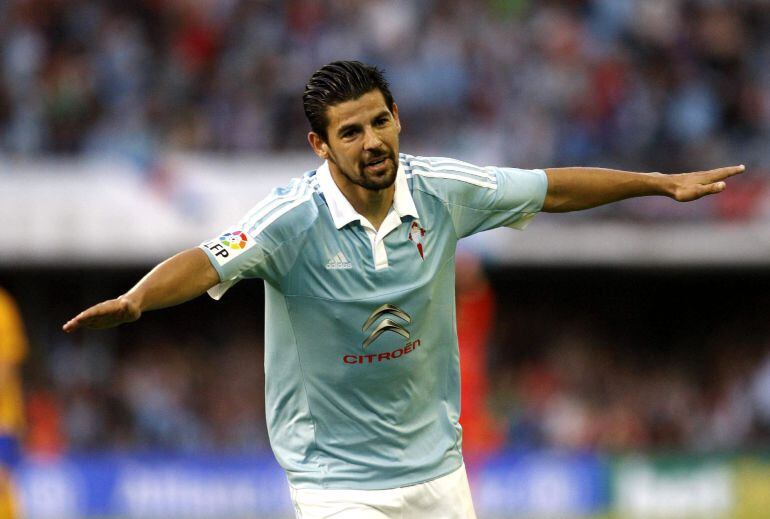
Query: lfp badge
{"type": "Point", "coordinates": [234, 239]}
{"type": "Point", "coordinates": [229, 245]}
{"type": "Point", "coordinates": [417, 236]}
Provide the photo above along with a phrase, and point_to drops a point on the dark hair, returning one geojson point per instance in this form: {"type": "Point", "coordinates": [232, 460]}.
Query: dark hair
{"type": "Point", "coordinates": [336, 83]}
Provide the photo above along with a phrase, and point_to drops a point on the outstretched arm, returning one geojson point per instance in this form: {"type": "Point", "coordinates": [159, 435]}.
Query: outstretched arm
{"type": "Point", "coordinates": [572, 189]}
{"type": "Point", "coordinates": [176, 280]}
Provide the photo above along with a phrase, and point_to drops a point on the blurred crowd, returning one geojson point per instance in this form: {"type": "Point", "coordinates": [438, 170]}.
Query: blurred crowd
{"type": "Point", "coordinates": [662, 84]}
{"type": "Point", "coordinates": [622, 374]}
{"type": "Point", "coordinates": [581, 392]}
{"type": "Point", "coordinates": [651, 85]}
{"type": "Point", "coordinates": [161, 393]}
{"type": "Point", "coordinates": [576, 393]}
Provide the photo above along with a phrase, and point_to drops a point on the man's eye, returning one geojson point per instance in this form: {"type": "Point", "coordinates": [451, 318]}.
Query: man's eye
{"type": "Point", "coordinates": [381, 121]}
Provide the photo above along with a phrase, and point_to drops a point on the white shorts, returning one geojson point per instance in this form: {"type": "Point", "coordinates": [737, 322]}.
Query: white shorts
{"type": "Point", "coordinates": [448, 497]}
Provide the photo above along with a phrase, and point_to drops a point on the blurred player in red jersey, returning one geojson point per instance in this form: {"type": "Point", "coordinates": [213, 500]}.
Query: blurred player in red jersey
{"type": "Point", "coordinates": [475, 313]}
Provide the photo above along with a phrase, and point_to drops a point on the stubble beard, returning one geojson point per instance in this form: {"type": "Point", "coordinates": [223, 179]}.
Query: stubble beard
{"type": "Point", "coordinates": [374, 182]}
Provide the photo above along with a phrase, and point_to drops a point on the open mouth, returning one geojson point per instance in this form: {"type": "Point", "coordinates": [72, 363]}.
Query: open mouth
{"type": "Point", "coordinates": [377, 161]}
{"type": "Point", "coordinates": [377, 164]}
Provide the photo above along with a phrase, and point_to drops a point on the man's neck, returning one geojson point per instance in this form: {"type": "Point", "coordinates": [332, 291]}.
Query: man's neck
{"type": "Point", "coordinates": [371, 204]}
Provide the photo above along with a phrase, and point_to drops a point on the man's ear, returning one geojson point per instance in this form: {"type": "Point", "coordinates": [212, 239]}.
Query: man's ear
{"type": "Point", "coordinates": [395, 117]}
{"type": "Point", "coordinates": [319, 146]}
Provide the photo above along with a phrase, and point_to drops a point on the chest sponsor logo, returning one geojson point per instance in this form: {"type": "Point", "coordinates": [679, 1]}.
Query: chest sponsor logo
{"type": "Point", "coordinates": [229, 245]}
{"type": "Point", "coordinates": [373, 358]}
{"type": "Point", "coordinates": [386, 324]}
{"type": "Point", "coordinates": [384, 317]}
{"type": "Point", "coordinates": [417, 236]}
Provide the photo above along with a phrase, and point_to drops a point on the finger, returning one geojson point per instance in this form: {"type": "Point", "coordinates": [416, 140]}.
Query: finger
{"type": "Point", "coordinates": [697, 191]}
{"type": "Point", "coordinates": [84, 318]}
{"type": "Point", "coordinates": [716, 187]}
{"type": "Point", "coordinates": [709, 189]}
{"type": "Point", "coordinates": [723, 173]}
{"type": "Point", "coordinates": [71, 325]}
{"type": "Point", "coordinates": [75, 323]}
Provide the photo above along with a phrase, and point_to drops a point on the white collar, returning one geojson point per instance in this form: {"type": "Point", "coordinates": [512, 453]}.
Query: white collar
{"type": "Point", "coordinates": [343, 212]}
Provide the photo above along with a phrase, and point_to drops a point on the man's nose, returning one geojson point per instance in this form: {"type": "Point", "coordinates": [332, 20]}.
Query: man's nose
{"type": "Point", "coordinates": [371, 139]}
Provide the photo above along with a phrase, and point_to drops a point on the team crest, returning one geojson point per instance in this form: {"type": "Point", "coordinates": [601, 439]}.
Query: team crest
{"type": "Point", "coordinates": [417, 236]}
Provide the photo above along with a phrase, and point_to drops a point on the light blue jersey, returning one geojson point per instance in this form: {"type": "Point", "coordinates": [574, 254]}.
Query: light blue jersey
{"type": "Point", "coordinates": [362, 367]}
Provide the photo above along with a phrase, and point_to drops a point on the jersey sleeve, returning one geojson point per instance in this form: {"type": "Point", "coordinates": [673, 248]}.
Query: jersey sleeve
{"type": "Point", "coordinates": [236, 254]}
{"type": "Point", "coordinates": [265, 243]}
{"type": "Point", "coordinates": [482, 198]}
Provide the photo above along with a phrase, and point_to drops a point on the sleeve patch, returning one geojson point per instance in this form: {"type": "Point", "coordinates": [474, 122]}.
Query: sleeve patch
{"type": "Point", "coordinates": [229, 246]}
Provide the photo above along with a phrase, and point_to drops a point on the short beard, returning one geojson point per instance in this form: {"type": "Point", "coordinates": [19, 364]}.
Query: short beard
{"type": "Point", "coordinates": [383, 182]}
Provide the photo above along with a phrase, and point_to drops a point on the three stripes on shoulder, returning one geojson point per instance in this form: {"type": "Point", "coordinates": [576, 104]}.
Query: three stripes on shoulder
{"type": "Point", "coordinates": [301, 190]}
{"type": "Point", "coordinates": [452, 169]}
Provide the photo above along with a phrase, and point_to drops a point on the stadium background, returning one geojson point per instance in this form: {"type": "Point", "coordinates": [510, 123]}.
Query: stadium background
{"type": "Point", "coordinates": [619, 358]}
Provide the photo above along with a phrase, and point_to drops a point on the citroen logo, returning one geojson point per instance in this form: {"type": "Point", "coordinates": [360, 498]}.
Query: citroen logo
{"type": "Point", "coordinates": [386, 324]}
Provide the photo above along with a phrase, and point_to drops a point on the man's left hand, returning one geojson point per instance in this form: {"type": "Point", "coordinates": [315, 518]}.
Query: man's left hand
{"type": "Point", "coordinates": [685, 187]}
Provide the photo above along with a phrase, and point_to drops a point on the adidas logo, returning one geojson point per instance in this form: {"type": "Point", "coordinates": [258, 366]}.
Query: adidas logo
{"type": "Point", "coordinates": [339, 261]}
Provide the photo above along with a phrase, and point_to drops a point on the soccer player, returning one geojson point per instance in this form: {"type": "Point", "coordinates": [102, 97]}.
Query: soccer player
{"type": "Point", "coordinates": [361, 357]}
{"type": "Point", "coordinates": [13, 350]}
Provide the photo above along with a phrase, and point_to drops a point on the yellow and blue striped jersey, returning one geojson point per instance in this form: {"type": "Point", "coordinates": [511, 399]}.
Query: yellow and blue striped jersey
{"type": "Point", "coordinates": [13, 350]}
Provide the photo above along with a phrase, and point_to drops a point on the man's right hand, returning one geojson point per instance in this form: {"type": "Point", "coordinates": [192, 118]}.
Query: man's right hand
{"type": "Point", "coordinates": [105, 315]}
{"type": "Point", "coordinates": [178, 279]}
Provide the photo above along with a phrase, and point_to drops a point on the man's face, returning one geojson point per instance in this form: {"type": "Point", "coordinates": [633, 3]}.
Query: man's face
{"type": "Point", "coordinates": [362, 141]}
